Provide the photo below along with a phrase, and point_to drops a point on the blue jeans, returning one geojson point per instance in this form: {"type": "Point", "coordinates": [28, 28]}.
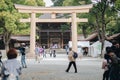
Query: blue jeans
{"type": "Point", "coordinates": [23, 62]}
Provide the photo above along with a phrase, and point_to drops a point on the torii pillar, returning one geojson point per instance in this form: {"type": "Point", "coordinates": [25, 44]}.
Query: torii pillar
{"type": "Point", "coordinates": [32, 33]}
{"type": "Point", "coordinates": [74, 32]}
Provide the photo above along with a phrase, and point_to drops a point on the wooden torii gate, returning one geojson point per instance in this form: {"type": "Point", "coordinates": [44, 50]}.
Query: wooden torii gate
{"type": "Point", "coordinates": [73, 10]}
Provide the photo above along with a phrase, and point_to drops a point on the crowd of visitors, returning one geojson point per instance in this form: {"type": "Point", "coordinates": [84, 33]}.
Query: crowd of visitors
{"type": "Point", "coordinates": [111, 62]}
{"type": "Point", "coordinates": [11, 68]}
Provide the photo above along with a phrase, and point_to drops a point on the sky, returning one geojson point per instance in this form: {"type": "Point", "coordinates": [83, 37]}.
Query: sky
{"type": "Point", "coordinates": [48, 3]}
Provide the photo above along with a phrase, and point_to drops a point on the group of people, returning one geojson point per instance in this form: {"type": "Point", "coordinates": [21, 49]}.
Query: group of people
{"type": "Point", "coordinates": [11, 68]}
{"type": "Point", "coordinates": [39, 52]}
{"type": "Point", "coordinates": [111, 62]}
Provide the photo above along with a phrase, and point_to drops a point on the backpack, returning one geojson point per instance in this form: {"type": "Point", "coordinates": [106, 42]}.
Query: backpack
{"type": "Point", "coordinates": [75, 55]}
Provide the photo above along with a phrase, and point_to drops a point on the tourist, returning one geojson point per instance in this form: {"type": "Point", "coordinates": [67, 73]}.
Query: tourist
{"type": "Point", "coordinates": [37, 54]}
{"type": "Point", "coordinates": [115, 67]}
{"type": "Point", "coordinates": [67, 49]}
{"type": "Point", "coordinates": [11, 68]}
{"type": "Point", "coordinates": [40, 51]}
{"type": "Point", "coordinates": [50, 52]}
{"type": "Point", "coordinates": [44, 52]}
{"type": "Point", "coordinates": [23, 56]}
{"type": "Point", "coordinates": [54, 53]}
{"type": "Point", "coordinates": [72, 60]}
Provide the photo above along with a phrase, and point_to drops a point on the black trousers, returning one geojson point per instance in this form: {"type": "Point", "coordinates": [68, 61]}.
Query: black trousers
{"type": "Point", "coordinates": [106, 75]}
{"type": "Point", "coordinates": [70, 64]}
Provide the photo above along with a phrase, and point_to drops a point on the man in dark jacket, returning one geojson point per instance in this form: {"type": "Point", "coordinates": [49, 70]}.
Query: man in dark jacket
{"type": "Point", "coordinates": [116, 48]}
{"type": "Point", "coordinates": [22, 51]}
{"type": "Point", "coordinates": [115, 65]}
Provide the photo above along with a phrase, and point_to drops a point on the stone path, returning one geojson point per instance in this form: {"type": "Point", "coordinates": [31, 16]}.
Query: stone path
{"type": "Point", "coordinates": [54, 69]}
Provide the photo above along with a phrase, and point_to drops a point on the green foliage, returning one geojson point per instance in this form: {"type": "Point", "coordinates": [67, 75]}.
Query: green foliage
{"type": "Point", "coordinates": [57, 2]}
{"type": "Point", "coordinates": [40, 2]}
{"type": "Point", "coordinates": [117, 4]}
{"type": "Point", "coordinates": [30, 2]}
{"type": "Point", "coordinates": [24, 28]}
{"type": "Point", "coordinates": [117, 26]}
{"type": "Point", "coordinates": [75, 2]}
{"type": "Point", "coordinates": [104, 17]}
{"type": "Point", "coordinates": [8, 15]}
{"type": "Point", "coordinates": [71, 3]}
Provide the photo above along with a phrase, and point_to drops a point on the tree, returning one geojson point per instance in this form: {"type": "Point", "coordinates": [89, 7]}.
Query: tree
{"type": "Point", "coordinates": [102, 12]}
{"type": "Point", "coordinates": [82, 26]}
{"type": "Point", "coordinates": [57, 2]}
{"type": "Point", "coordinates": [9, 19]}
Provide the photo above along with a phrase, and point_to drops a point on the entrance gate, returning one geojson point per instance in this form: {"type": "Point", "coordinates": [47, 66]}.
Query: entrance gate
{"type": "Point", "coordinates": [73, 10]}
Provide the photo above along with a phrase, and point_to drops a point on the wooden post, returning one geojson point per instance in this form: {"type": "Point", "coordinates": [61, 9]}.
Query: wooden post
{"type": "Point", "coordinates": [32, 35]}
{"type": "Point", "coordinates": [74, 32]}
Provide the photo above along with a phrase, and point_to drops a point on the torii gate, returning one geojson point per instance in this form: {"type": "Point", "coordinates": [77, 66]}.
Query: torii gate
{"type": "Point", "coordinates": [53, 11]}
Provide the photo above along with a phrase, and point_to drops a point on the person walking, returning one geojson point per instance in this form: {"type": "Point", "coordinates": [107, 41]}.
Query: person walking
{"type": "Point", "coordinates": [11, 69]}
{"type": "Point", "coordinates": [50, 52]}
{"type": "Point", "coordinates": [37, 54]}
{"type": "Point", "coordinates": [41, 51]}
{"type": "Point", "coordinates": [67, 49]}
{"type": "Point", "coordinates": [44, 52]}
{"type": "Point", "coordinates": [72, 60]}
{"type": "Point", "coordinates": [23, 56]}
{"type": "Point", "coordinates": [54, 53]}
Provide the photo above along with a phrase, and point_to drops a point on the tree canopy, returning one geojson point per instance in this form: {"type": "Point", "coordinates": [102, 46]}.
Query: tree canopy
{"type": "Point", "coordinates": [9, 18]}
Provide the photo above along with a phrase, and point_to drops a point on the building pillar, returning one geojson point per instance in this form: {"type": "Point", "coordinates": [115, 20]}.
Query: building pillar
{"type": "Point", "coordinates": [48, 40]}
{"type": "Point", "coordinates": [74, 32]}
{"type": "Point", "coordinates": [62, 40]}
{"type": "Point", "coordinates": [53, 15]}
{"type": "Point", "coordinates": [32, 35]}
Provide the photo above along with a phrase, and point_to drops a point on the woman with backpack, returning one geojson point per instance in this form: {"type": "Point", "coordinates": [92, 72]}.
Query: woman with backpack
{"type": "Point", "coordinates": [72, 61]}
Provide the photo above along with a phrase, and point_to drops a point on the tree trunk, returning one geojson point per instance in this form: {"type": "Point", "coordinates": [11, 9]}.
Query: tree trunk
{"type": "Point", "coordinates": [7, 46]}
{"type": "Point", "coordinates": [102, 48]}
{"type": "Point", "coordinates": [6, 39]}
{"type": "Point", "coordinates": [84, 32]}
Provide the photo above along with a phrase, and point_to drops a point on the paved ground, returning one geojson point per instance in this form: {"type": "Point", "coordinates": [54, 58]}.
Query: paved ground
{"type": "Point", "coordinates": [54, 69]}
